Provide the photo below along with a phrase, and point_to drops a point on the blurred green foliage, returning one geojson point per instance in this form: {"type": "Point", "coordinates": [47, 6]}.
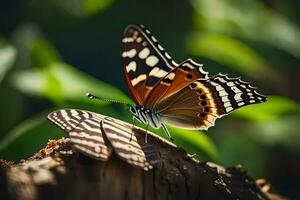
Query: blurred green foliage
{"type": "Point", "coordinates": [276, 107]}
{"type": "Point", "coordinates": [60, 82]}
{"type": "Point", "coordinates": [83, 8]}
{"type": "Point", "coordinates": [248, 19]}
{"type": "Point", "coordinates": [57, 51]}
{"type": "Point", "coordinates": [7, 58]}
{"type": "Point", "coordinates": [228, 52]}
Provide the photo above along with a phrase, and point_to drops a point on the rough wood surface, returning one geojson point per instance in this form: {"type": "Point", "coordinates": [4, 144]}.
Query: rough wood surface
{"type": "Point", "coordinates": [58, 172]}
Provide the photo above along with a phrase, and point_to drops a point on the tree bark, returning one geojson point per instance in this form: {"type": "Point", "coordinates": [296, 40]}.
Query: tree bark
{"type": "Point", "coordinates": [59, 172]}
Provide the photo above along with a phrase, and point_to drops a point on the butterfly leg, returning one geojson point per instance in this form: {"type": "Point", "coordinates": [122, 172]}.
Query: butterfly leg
{"type": "Point", "coordinates": [146, 134]}
{"type": "Point", "coordinates": [164, 127]}
{"type": "Point", "coordinates": [132, 129]}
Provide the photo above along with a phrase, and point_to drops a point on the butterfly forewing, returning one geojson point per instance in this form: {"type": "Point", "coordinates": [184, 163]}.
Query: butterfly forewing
{"type": "Point", "coordinates": [129, 143]}
{"type": "Point", "coordinates": [145, 61]}
{"type": "Point", "coordinates": [84, 131]}
{"type": "Point", "coordinates": [199, 104]}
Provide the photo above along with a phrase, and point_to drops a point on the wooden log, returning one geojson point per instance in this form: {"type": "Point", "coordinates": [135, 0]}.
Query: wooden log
{"type": "Point", "coordinates": [59, 172]}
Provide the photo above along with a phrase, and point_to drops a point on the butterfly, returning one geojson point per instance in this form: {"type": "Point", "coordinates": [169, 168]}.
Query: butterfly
{"type": "Point", "coordinates": [98, 136]}
{"type": "Point", "coordinates": [181, 95]}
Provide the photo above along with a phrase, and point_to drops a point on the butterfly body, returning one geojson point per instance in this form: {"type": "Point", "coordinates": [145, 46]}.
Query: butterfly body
{"type": "Point", "coordinates": [181, 95]}
{"type": "Point", "coordinates": [149, 117]}
{"type": "Point", "coordinates": [146, 116]}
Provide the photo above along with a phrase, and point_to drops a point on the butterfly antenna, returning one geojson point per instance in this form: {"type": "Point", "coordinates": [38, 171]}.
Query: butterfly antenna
{"type": "Point", "coordinates": [91, 96]}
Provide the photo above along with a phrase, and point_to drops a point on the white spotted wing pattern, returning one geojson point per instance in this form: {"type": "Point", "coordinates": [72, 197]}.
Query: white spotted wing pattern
{"type": "Point", "coordinates": [145, 61]}
{"type": "Point", "coordinates": [97, 136]}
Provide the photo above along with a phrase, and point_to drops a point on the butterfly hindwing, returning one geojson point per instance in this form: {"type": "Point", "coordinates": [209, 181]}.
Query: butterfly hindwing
{"type": "Point", "coordinates": [145, 61]}
{"type": "Point", "coordinates": [84, 131]}
{"type": "Point", "coordinates": [199, 104]}
{"type": "Point", "coordinates": [178, 78]}
{"type": "Point", "coordinates": [232, 93]}
{"type": "Point", "coordinates": [129, 143]}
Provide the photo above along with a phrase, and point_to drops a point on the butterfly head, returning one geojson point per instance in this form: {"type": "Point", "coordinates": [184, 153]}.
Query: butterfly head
{"type": "Point", "coordinates": [137, 110]}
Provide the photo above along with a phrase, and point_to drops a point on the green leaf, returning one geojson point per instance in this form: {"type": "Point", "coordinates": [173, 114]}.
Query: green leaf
{"type": "Point", "coordinates": [28, 81]}
{"type": "Point", "coordinates": [228, 52]}
{"type": "Point", "coordinates": [249, 19]}
{"type": "Point", "coordinates": [274, 108]}
{"type": "Point", "coordinates": [196, 143]}
{"type": "Point", "coordinates": [7, 58]}
{"type": "Point", "coordinates": [43, 53]}
{"type": "Point", "coordinates": [61, 82]}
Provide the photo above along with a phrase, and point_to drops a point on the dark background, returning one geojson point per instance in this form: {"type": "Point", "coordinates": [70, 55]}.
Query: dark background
{"type": "Point", "coordinates": [52, 52]}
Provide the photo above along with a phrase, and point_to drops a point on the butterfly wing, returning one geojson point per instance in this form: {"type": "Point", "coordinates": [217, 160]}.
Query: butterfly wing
{"type": "Point", "coordinates": [199, 104]}
{"type": "Point", "coordinates": [181, 76]}
{"type": "Point", "coordinates": [84, 131]}
{"type": "Point", "coordinates": [97, 136]}
{"type": "Point", "coordinates": [129, 143]}
{"type": "Point", "coordinates": [145, 62]}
